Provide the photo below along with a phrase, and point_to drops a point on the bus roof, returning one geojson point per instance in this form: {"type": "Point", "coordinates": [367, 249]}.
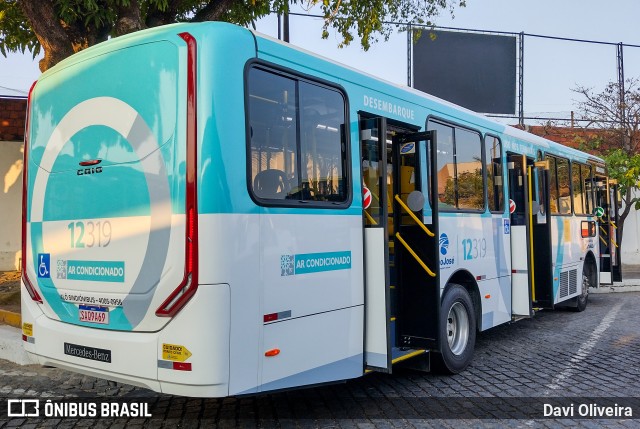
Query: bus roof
{"type": "Point", "coordinates": [352, 75]}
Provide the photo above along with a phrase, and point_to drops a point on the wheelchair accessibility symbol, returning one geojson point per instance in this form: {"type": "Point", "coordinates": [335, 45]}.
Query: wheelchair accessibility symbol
{"type": "Point", "coordinates": [43, 265]}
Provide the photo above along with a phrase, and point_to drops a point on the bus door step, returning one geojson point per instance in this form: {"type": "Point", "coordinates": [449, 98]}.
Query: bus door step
{"type": "Point", "coordinates": [416, 359]}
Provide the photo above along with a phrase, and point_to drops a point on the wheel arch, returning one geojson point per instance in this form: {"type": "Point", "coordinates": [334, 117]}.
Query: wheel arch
{"type": "Point", "coordinates": [465, 279]}
{"type": "Point", "coordinates": [590, 259]}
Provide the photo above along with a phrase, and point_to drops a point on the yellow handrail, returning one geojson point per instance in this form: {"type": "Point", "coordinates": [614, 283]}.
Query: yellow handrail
{"type": "Point", "coordinates": [413, 216]}
{"type": "Point", "coordinates": [603, 240]}
{"type": "Point", "coordinates": [605, 232]}
{"type": "Point", "coordinates": [371, 219]}
{"type": "Point", "coordinates": [416, 257]}
{"type": "Point", "coordinates": [613, 224]}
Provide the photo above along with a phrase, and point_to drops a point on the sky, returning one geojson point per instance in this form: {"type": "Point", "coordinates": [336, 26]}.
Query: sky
{"type": "Point", "coordinates": [551, 68]}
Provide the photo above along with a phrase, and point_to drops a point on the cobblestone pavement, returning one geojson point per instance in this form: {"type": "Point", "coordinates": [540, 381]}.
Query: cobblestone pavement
{"type": "Point", "coordinates": [561, 356]}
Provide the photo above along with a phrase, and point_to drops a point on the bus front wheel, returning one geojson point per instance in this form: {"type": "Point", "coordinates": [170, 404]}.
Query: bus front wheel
{"type": "Point", "coordinates": [457, 331]}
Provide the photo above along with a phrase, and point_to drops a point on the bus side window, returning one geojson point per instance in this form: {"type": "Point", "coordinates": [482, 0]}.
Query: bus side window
{"type": "Point", "coordinates": [322, 122]}
{"type": "Point", "coordinates": [564, 189]}
{"type": "Point", "coordinates": [469, 176]}
{"type": "Point", "coordinates": [553, 187]}
{"type": "Point", "coordinates": [559, 186]}
{"type": "Point", "coordinates": [446, 168]}
{"type": "Point", "coordinates": [578, 192]}
{"type": "Point", "coordinates": [586, 171]}
{"type": "Point", "coordinates": [273, 134]}
{"type": "Point", "coordinates": [460, 169]}
{"type": "Point", "coordinates": [493, 159]}
{"type": "Point", "coordinates": [298, 147]}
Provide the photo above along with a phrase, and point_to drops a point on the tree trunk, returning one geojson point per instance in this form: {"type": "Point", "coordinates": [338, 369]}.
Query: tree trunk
{"type": "Point", "coordinates": [622, 217]}
{"type": "Point", "coordinates": [158, 17]}
{"type": "Point", "coordinates": [129, 18]}
{"type": "Point", "coordinates": [213, 11]}
{"type": "Point", "coordinates": [52, 36]}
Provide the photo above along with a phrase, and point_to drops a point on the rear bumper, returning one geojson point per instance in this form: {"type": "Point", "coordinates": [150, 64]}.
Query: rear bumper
{"type": "Point", "coordinates": [136, 358]}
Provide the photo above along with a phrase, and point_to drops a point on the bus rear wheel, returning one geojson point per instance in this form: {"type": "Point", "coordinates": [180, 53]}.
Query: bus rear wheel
{"type": "Point", "coordinates": [588, 273]}
{"type": "Point", "coordinates": [457, 331]}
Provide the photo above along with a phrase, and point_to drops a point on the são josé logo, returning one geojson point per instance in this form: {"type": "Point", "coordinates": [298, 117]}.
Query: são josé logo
{"type": "Point", "coordinates": [444, 243]}
{"type": "Point", "coordinates": [444, 248]}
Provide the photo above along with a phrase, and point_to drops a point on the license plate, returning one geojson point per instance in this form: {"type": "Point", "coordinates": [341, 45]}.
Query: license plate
{"type": "Point", "coordinates": [93, 314]}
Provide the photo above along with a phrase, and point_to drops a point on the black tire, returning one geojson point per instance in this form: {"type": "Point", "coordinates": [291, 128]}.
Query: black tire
{"type": "Point", "coordinates": [457, 331]}
{"type": "Point", "coordinates": [588, 278]}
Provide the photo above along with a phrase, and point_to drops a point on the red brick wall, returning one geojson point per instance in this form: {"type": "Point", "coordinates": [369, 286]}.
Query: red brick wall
{"type": "Point", "coordinates": [573, 137]}
{"type": "Point", "coordinates": [12, 117]}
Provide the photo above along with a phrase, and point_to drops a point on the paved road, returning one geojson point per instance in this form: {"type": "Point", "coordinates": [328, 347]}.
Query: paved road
{"type": "Point", "coordinates": [558, 357]}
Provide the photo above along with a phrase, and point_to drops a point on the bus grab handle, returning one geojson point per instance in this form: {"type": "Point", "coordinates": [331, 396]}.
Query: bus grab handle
{"type": "Point", "coordinates": [415, 256]}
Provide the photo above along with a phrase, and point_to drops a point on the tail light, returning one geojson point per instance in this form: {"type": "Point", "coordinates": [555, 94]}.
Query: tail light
{"type": "Point", "coordinates": [187, 288]}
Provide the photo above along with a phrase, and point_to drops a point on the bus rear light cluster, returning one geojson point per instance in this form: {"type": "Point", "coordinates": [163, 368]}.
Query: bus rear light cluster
{"type": "Point", "coordinates": [187, 288]}
{"type": "Point", "coordinates": [182, 366]}
{"type": "Point", "coordinates": [174, 365]}
{"type": "Point", "coordinates": [33, 293]}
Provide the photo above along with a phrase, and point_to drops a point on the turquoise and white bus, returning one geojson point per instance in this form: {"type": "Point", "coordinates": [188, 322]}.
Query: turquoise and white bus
{"type": "Point", "coordinates": [211, 212]}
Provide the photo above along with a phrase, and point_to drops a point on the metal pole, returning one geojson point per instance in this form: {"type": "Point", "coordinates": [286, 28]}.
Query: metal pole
{"type": "Point", "coordinates": [621, 99]}
{"type": "Point", "coordinates": [279, 26]}
{"type": "Point", "coordinates": [521, 81]}
{"type": "Point", "coordinates": [409, 44]}
{"type": "Point", "coordinates": [286, 27]}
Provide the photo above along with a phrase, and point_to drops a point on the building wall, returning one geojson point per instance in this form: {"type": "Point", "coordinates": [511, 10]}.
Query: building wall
{"type": "Point", "coordinates": [12, 121]}
{"type": "Point", "coordinates": [631, 239]}
{"type": "Point", "coordinates": [10, 204]}
{"type": "Point", "coordinates": [12, 118]}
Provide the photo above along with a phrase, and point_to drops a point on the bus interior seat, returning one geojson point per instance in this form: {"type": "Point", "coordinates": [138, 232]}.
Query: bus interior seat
{"type": "Point", "coordinates": [271, 184]}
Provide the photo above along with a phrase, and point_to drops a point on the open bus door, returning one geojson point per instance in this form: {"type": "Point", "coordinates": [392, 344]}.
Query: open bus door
{"type": "Point", "coordinates": [377, 272]}
{"type": "Point", "coordinates": [416, 242]}
{"type": "Point", "coordinates": [519, 231]}
{"type": "Point", "coordinates": [401, 304]}
{"type": "Point", "coordinates": [530, 225]}
{"type": "Point", "coordinates": [542, 244]}
{"type": "Point", "coordinates": [606, 200]}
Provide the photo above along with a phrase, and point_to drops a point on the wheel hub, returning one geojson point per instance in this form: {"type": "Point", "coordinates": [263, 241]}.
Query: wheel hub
{"type": "Point", "coordinates": [457, 328]}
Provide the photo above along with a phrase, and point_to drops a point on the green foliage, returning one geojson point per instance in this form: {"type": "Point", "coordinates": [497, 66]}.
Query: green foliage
{"type": "Point", "coordinates": [371, 19]}
{"type": "Point", "coordinates": [88, 12]}
{"type": "Point", "coordinates": [625, 168]}
{"type": "Point", "coordinates": [615, 136]}
{"type": "Point", "coordinates": [16, 34]}
{"type": "Point", "coordinates": [90, 21]}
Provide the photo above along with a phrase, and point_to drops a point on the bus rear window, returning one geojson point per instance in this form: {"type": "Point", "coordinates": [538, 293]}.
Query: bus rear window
{"type": "Point", "coordinates": [297, 145]}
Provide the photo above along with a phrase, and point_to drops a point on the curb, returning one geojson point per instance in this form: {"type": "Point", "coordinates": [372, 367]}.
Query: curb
{"type": "Point", "coordinates": [616, 287]}
{"type": "Point", "coordinates": [10, 318]}
{"type": "Point", "coordinates": [11, 346]}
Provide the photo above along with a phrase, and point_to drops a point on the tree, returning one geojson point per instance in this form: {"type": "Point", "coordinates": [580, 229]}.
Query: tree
{"type": "Point", "coordinates": [616, 117]}
{"type": "Point", "coordinates": [63, 27]}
